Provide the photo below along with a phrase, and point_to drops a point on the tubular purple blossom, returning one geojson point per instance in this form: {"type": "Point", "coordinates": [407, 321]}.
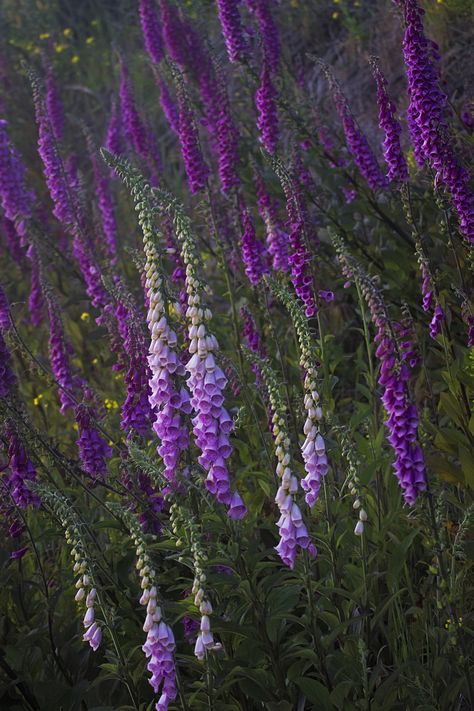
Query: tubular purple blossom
{"type": "Point", "coordinates": [277, 239]}
{"type": "Point", "coordinates": [394, 158]}
{"type": "Point", "coordinates": [151, 29]}
{"type": "Point", "coordinates": [134, 128]}
{"type": "Point", "coordinates": [22, 471]}
{"type": "Point", "coordinates": [16, 200]}
{"type": "Point", "coordinates": [254, 255]}
{"type": "Point", "coordinates": [93, 449]}
{"type": "Point", "coordinates": [356, 142]}
{"type": "Point", "coordinates": [54, 106]}
{"type": "Point", "coordinates": [196, 168]}
{"type": "Point", "coordinates": [229, 17]}
{"type": "Point", "coordinates": [174, 33]}
{"type": "Point", "coordinates": [427, 118]}
{"type": "Point", "coordinates": [269, 33]}
{"type": "Point", "coordinates": [113, 138]}
{"type": "Point", "coordinates": [267, 121]}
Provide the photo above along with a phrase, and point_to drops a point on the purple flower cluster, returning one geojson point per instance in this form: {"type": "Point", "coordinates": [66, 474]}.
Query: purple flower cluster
{"type": "Point", "coordinates": [267, 120]}
{"type": "Point", "coordinates": [394, 376]}
{"type": "Point", "coordinates": [171, 402]}
{"type": "Point", "coordinates": [277, 239]}
{"type": "Point", "coordinates": [113, 137]}
{"type": "Point", "coordinates": [195, 166]}
{"type": "Point", "coordinates": [300, 258]}
{"type": "Point", "coordinates": [137, 412]}
{"type": "Point", "coordinates": [21, 472]}
{"type": "Point", "coordinates": [106, 209]}
{"type": "Point", "coordinates": [54, 105]}
{"type": "Point", "coordinates": [159, 650]}
{"type": "Point", "coordinates": [254, 255]}
{"type": "Point", "coordinates": [394, 158]}
{"type": "Point", "coordinates": [174, 33]}
{"type": "Point", "coordinates": [7, 377]}
{"type": "Point", "coordinates": [314, 447]}
{"type": "Point", "coordinates": [356, 142]}
{"type": "Point", "coordinates": [59, 355]}
{"type": "Point", "coordinates": [229, 17]}
{"type": "Point", "coordinates": [93, 449]}
{"type": "Point", "coordinates": [436, 321]}
{"type": "Point", "coordinates": [53, 168]}
{"type": "Point", "coordinates": [427, 118]}
{"type": "Point", "coordinates": [16, 200]}
{"type": "Point", "coordinates": [133, 126]}
{"type": "Point", "coordinates": [268, 33]}
{"type": "Point", "coordinates": [151, 29]}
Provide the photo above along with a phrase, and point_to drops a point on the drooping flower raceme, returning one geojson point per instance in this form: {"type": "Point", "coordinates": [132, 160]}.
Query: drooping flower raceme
{"type": "Point", "coordinates": [93, 449]}
{"type": "Point", "coordinates": [229, 17]}
{"type": "Point", "coordinates": [268, 33]}
{"type": "Point", "coordinates": [21, 471]}
{"type": "Point", "coordinates": [427, 118]}
{"type": "Point", "coordinates": [169, 398]}
{"type": "Point", "coordinates": [267, 120]}
{"type": "Point", "coordinates": [402, 415]}
{"type": "Point", "coordinates": [277, 239]}
{"type": "Point", "coordinates": [356, 141]}
{"type": "Point", "coordinates": [293, 532]}
{"type": "Point", "coordinates": [254, 254]}
{"type": "Point", "coordinates": [196, 168]}
{"type": "Point", "coordinates": [211, 423]}
{"type": "Point", "coordinates": [313, 449]}
{"type": "Point", "coordinates": [151, 30]}
{"type": "Point", "coordinates": [15, 199]}
{"type": "Point", "coordinates": [159, 645]}
{"type": "Point", "coordinates": [394, 158]}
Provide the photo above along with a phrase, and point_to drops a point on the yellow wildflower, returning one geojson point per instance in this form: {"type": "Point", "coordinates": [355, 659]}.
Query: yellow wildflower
{"type": "Point", "coordinates": [59, 47]}
{"type": "Point", "coordinates": [85, 316]}
{"type": "Point", "coordinates": [36, 400]}
{"type": "Point", "coordinates": [44, 36]}
{"type": "Point", "coordinates": [67, 32]}
{"type": "Point", "coordinates": [75, 59]}
{"type": "Point", "coordinates": [90, 40]}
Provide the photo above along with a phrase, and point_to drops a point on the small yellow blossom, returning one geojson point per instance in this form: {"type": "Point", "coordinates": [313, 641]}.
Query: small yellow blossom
{"type": "Point", "coordinates": [85, 316]}
{"type": "Point", "coordinates": [75, 59]}
{"type": "Point", "coordinates": [44, 36]}
{"type": "Point", "coordinates": [59, 47]}
{"type": "Point", "coordinates": [67, 32]}
{"type": "Point", "coordinates": [90, 40]}
{"type": "Point", "coordinates": [94, 23]}
{"type": "Point", "coordinates": [75, 426]}
{"type": "Point", "coordinates": [36, 400]}
{"type": "Point", "coordinates": [111, 404]}
{"type": "Point", "coordinates": [95, 361]}
{"type": "Point", "coordinates": [335, 15]}
{"type": "Point", "coordinates": [111, 444]}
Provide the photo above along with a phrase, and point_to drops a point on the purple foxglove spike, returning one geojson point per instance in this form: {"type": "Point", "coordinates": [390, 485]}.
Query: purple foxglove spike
{"type": "Point", "coordinates": [16, 200]}
{"type": "Point", "coordinates": [54, 106]}
{"type": "Point", "coordinates": [254, 254]}
{"type": "Point", "coordinates": [229, 17]}
{"type": "Point", "coordinates": [113, 138]}
{"type": "Point", "coordinates": [151, 29]}
{"type": "Point", "coordinates": [93, 449]}
{"type": "Point", "coordinates": [267, 121]}
{"type": "Point", "coordinates": [427, 118]}
{"type": "Point", "coordinates": [277, 240]}
{"type": "Point", "coordinates": [134, 128]}
{"type": "Point", "coordinates": [394, 158]}
{"type": "Point", "coordinates": [174, 33]}
{"type": "Point", "coordinates": [268, 32]}
{"type": "Point", "coordinates": [21, 471]}
{"type": "Point", "coordinates": [197, 170]}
